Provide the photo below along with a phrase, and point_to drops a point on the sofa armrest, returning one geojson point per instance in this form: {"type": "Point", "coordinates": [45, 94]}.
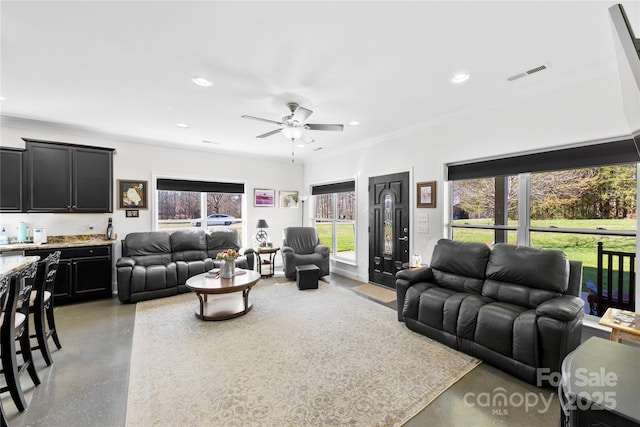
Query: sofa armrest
{"type": "Point", "coordinates": [322, 250]}
{"type": "Point", "coordinates": [422, 274]}
{"type": "Point", "coordinates": [286, 250]}
{"type": "Point", "coordinates": [250, 254]}
{"type": "Point", "coordinates": [125, 262]}
{"type": "Point", "coordinates": [563, 308]}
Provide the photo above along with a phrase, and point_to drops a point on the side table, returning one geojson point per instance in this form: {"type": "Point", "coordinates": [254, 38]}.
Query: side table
{"type": "Point", "coordinates": [270, 261]}
{"type": "Point", "coordinates": [625, 325]}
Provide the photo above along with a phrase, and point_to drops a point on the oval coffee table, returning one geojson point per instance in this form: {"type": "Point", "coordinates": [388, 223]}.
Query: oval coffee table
{"type": "Point", "coordinates": [231, 296]}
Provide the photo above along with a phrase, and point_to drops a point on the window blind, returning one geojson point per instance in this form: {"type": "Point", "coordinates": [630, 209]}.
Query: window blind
{"type": "Point", "coordinates": [336, 187]}
{"type": "Point", "coordinates": [199, 186]}
{"type": "Point", "coordinates": [610, 153]}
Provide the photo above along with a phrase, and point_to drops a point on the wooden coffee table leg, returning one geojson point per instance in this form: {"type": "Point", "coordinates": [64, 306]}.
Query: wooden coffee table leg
{"type": "Point", "coordinates": [202, 301]}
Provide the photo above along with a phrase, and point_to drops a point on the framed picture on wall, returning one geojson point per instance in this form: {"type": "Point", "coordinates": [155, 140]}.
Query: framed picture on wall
{"type": "Point", "coordinates": [426, 194]}
{"type": "Point", "coordinates": [288, 199]}
{"type": "Point", "coordinates": [132, 194]}
{"type": "Point", "coordinates": [264, 197]}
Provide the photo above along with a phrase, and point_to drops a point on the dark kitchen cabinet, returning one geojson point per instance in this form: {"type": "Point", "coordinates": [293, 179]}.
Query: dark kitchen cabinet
{"type": "Point", "coordinates": [83, 273]}
{"type": "Point", "coordinates": [11, 179]}
{"type": "Point", "coordinates": [68, 178]}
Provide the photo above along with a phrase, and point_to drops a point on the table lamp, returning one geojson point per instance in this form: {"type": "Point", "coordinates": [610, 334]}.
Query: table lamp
{"type": "Point", "coordinates": [262, 236]}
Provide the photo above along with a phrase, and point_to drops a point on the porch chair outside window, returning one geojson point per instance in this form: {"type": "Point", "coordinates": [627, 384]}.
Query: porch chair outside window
{"type": "Point", "coordinates": [614, 294]}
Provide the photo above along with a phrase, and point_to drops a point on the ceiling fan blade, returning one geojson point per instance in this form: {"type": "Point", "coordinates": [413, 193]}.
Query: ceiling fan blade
{"type": "Point", "coordinates": [318, 126]}
{"type": "Point", "coordinates": [261, 119]}
{"type": "Point", "coordinates": [273, 132]}
{"type": "Point", "coordinates": [301, 114]}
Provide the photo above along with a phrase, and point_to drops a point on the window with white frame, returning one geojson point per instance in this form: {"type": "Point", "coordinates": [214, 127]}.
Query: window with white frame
{"type": "Point", "coordinates": [198, 204]}
{"type": "Point", "coordinates": [335, 218]}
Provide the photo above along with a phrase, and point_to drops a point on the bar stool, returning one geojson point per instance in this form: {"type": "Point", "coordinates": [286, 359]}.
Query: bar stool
{"type": "Point", "coordinates": [41, 306]}
{"type": "Point", "coordinates": [15, 327]}
{"type": "Point", "coordinates": [4, 301]}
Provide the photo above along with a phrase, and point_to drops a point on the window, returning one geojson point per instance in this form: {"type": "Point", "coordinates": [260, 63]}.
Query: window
{"type": "Point", "coordinates": [573, 208]}
{"type": "Point", "coordinates": [198, 204]}
{"type": "Point", "coordinates": [335, 218]}
{"type": "Point", "coordinates": [485, 209]}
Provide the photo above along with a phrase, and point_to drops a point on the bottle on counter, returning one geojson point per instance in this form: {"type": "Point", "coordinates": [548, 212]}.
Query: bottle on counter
{"type": "Point", "coordinates": [4, 239]}
{"type": "Point", "coordinates": [110, 230]}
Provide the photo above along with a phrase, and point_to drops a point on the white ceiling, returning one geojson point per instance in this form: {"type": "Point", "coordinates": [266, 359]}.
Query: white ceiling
{"type": "Point", "coordinates": [124, 67]}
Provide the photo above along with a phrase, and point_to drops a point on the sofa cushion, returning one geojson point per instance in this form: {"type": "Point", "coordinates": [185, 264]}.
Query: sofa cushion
{"type": "Point", "coordinates": [220, 239]}
{"type": "Point", "coordinates": [546, 269]}
{"type": "Point", "coordinates": [153, 277]}
{"type": "Point", "coordinates": [525, 276]}
{"type": "Point", "coordinates": [460, 265]}
{"type": "Point", "coordinates": [431, 306]}
{"type": "Point", "coordinates": [495, 326]}
{"type": "Point", "coordinates": [468, 315]}
{"type": "Point", "coordinates": [188, 245]}
{"type": "Point", "coordinates": [148, 248]}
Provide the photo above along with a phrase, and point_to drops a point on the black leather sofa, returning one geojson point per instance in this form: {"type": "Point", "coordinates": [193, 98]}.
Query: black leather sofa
{"type": "Point", "coordinates": [157, 264]}
{"type": "Point", "coordinates": [514, 307]}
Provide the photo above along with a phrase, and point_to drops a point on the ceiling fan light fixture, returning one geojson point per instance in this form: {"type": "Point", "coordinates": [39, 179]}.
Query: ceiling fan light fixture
{"type": "Point", "coordinates": [292, 133]}
{"type": "Point", "coordinates": [201, 81]}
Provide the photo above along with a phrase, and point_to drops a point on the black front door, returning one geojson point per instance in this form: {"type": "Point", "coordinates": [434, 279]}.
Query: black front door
{"type": "Point", "coordinates": [388, 227]}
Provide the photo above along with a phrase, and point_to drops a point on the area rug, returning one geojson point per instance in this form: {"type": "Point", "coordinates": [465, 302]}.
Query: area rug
{"type": "Point", "coordinates": [322, 357]}
{"type": "Point", "coordinates": [376, 292]}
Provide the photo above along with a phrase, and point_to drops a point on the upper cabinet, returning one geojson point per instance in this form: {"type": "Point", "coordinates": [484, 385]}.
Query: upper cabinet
{"type": "Point", "coordinates": [68, 178]}
{"type": "Point", "coordinates": [11, 179]}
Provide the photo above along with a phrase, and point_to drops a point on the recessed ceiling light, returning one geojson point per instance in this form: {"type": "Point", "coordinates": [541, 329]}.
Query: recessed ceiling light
{"type": "Point", "coordinates": [354, 123]}
{"type": "Point", "coordinates": [201, 81]}
{"type": "Point", "coordinates": [182, 125]}
{"type": "Point", "coordinates": [460, 78]}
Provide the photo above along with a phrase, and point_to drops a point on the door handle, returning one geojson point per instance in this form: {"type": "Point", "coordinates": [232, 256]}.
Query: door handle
{"type": "Point", "coordinates": [404, 239]}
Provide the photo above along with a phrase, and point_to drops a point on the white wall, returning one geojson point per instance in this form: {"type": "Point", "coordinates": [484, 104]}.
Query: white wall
{"type": "Point", "coordinates": [551, 117]}
{"type": "Point", "coordinates": [146, 162]}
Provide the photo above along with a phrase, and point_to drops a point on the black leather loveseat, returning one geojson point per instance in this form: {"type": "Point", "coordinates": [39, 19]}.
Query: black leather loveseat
{"type": "Point", "coordinates": [157, 264]}
{"type": "Point", "coordinates": [515, 307]}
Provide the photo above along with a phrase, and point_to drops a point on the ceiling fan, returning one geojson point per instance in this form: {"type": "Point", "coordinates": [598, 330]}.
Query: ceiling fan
{"type": "Point", "coordinates": [293, 126]}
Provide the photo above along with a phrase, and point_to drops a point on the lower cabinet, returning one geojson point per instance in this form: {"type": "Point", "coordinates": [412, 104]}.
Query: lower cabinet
{"type": "Point", "coordinates": [83, 273]}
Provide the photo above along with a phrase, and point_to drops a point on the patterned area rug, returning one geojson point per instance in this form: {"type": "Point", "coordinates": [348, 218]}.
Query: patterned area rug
{"type": "Point", "coordinates": [315, 358]}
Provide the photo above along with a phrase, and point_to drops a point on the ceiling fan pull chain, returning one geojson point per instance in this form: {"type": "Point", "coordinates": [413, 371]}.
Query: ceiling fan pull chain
{"type": "Point", "coordinates": [293, 160]}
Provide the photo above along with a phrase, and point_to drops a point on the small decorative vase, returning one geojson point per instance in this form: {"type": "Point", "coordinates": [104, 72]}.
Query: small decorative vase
{"type": "Point", "coordinates": [227, 269]}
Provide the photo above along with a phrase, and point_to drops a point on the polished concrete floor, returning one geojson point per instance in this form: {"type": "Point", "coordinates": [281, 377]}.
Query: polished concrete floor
{"type": "Point", "coordinates": [88, 381]}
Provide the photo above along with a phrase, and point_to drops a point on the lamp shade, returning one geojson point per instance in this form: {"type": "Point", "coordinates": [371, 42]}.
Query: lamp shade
{"type": "Point", "coordinates": [262, 224]}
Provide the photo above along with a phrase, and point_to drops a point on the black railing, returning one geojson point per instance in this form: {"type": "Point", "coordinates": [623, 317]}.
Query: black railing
{"type": "Point", "coordinates": [614, 295]}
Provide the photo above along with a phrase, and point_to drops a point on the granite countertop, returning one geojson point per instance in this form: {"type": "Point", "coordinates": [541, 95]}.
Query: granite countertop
{"type": "Point", "coordinates": [61, 242]}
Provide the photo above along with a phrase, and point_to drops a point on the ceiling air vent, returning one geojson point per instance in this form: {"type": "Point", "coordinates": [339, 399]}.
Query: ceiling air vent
{"type": "Point", "coordinates": [526, 73]}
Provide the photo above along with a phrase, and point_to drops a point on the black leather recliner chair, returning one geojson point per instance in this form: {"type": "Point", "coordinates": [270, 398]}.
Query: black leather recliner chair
{"type": "Point", "coordinates": [515, 307]}
{"type": "Point", "coordinates": [301, 246]}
